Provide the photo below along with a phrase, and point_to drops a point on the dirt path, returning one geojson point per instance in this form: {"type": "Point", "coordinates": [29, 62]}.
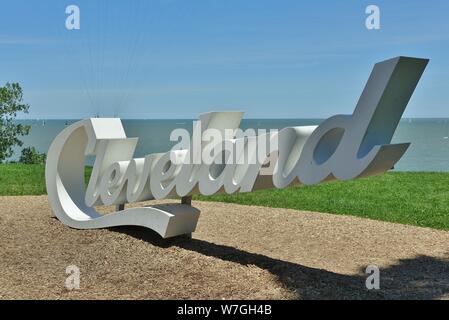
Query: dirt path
{"type": "Point", "coordinates": [238, 252]}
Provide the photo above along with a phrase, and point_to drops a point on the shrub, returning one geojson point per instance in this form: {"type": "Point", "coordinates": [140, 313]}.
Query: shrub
{"type": "Point", "coordinates": [32, 156]}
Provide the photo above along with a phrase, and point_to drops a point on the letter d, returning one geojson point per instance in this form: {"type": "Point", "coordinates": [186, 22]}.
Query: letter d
{"type": "Point", "coordinates": [345, 147]}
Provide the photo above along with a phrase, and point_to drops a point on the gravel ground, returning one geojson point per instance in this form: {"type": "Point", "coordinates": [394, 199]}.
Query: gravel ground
{"type": "Point", "coordinates": [237, 252]}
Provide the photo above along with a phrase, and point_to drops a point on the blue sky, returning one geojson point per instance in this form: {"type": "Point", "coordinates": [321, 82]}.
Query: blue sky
{"type": "Point", "coordinates": [180, 58]}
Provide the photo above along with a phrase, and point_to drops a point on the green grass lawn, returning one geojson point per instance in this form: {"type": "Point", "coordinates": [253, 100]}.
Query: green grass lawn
{"type": "Point", "coordinates": [415, 198]}
{"type": "Point", "coordinates": [406, 197]}
{"type": "Point", "coordinates": [24, 179]}
{"type": "Point", "coordinates": [21, 179]}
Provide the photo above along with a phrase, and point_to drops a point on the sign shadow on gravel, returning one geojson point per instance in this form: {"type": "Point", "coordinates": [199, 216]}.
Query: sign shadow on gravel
{"type": "Point", "coordinates": [420, 277]}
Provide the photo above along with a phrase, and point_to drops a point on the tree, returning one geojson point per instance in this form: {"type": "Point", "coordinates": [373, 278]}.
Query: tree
{"type": "Point", "coordinates": [31, 156]}
{"type": "Point", "coordinates": [11, 103]}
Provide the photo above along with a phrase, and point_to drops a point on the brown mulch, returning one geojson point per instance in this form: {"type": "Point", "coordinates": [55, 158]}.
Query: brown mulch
{"type": "Point", "coordinates": [237, 252]}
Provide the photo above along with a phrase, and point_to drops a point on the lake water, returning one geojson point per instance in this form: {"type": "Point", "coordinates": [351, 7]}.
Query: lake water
{"type": "Point", "coordinates": [429, 150]}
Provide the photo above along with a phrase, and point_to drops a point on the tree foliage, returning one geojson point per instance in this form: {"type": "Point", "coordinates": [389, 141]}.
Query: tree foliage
{"type": "Point", "coordinates": [31, 156]}
{"type": "Point", "coordinates": [11, 103]}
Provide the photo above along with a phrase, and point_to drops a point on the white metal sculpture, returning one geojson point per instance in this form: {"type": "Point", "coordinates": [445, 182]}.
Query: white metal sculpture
{"type": "Point", "coordinates": [343, 147]}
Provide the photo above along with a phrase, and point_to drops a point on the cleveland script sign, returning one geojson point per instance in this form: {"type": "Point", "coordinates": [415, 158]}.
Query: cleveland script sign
{"type": "Point", "coordinates": [218, 158]}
